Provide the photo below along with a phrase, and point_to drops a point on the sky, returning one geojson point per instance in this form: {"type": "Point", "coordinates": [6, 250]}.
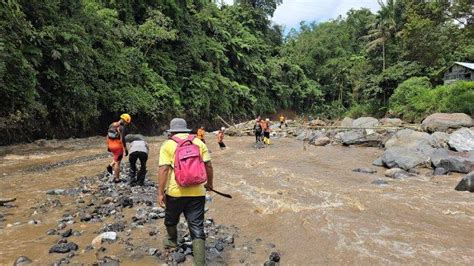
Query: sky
{"type": "Point", "coordinates": [291, 12]}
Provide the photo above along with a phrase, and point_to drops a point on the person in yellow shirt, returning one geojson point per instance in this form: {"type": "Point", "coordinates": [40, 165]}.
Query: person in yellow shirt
{"type": "Point", "coordinates": [282, 121]}
{"type": "Point", "coordinates": [201, 134]}
{"type": "Point", "coordinates": [188, 200]}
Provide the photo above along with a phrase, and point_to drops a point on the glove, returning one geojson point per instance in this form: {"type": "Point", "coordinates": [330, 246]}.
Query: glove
{"type": "Point", "coordinates": [126, 152]}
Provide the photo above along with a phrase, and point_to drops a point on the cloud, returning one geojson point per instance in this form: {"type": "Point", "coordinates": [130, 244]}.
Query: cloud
{"type": "Point", "coordinates": [291, 12]}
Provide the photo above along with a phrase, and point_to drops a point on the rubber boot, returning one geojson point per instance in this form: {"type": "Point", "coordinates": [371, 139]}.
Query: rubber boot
{"type": "Point", "coordinates": [199, 252]}
{"type": "Point", "coordinates": [141, 178]}
{"type": "Point", "coordinates": [171, 240]}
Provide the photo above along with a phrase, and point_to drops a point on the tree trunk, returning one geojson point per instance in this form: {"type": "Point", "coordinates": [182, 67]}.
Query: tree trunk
{"type": "Point", "coordinates": [383, 55]}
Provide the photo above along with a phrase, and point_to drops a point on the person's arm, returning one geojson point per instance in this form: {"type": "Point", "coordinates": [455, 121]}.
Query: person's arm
{"type": "Point", "coordinates": [210, 175]}
{"type": "Point", "coordinates": [122, 135]}
{"type": "Point", "coordinates": [163, 173]}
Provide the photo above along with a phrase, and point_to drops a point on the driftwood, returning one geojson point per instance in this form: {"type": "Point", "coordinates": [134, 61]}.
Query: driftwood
{"type": "Point", "coordinates": [6, 200]}
{"type": "Point", "coordinates": [223, 121]}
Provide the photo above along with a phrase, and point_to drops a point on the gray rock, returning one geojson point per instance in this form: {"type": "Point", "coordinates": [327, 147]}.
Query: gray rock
{"type": "Point", "coordinates": [451, 161]}
{"type": "Point", "coordinates": [321, 141]}
{"type": "Point", "coordinates": [85, 217]}
{"type": "Point", "coordinates": [55, 191]}
{"type": "Point", "coordinates": [229, 240]}
{"type": "Point", "coordinates": [161, 215]}
{"type": "Point", "coordinates": [219, 246]}
{"type": "Point", "coordinates": [63, 248]}
{"type": "Point", "coordinates": [397, 173]}
{"type": "Point", "coordinates": [445, 121]}
{"type": "Point", "coordinates": [178, 257]}
{"type": "Point", "coordinates": [151, 251]}
{"type": "Point", "coordinates": [364, 122]}
{"type": "Point", "coordinates": [379, 182]}
{"type": "Point", "coordinates": [391, 122]}
{"type": "Point", "coordinates": [359, 137]}
{"type": "Point", "coordinates": [51, 232]}
{"type": "Point", "coordinates": [347, 122]}
{"type": "Point", "coordinates": [364, 170]}
{"type": "Point", "coordinates": [409, 138]}
{"type": "Point", "coordinates": [153, 215]}
{"type": "Point", "coordinates": [462, 140]}
{"type": "Point", "coordinates": [440, 171]}
{"type": "Point", "coordinates": [274, 256]}
{"type": "Point", "coordinates": [378, 162]}
{"type": "Point", "coordinates": [61, 226]}
{"type": "Point", "coordinates": [22, 260]}
{"type": "Point", "coordinates": [467, 183]}
{"type": "Point", "coordinates": [404, 158]}
{"type": "Point", "coordinates": [67, 233]}
{"type": "Point", "coordinates": [439, 140]}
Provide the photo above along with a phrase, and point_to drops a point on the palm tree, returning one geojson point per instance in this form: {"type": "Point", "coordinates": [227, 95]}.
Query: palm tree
{"type": "Point", "coordinates": [384, 28]}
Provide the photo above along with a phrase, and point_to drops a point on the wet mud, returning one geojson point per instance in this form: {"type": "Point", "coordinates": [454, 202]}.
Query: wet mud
{"type": "Point", "coordinates": [308, 205]}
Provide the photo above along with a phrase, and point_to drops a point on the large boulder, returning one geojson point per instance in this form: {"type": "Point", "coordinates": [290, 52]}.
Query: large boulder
{"type": "Point", "coordinates": [321, 141]}
{"type": "Point", "coordinates": [360, 137]}
{"type": "Point", "coordinates": [451, 161]}
{"type": "Point", "coordinates": [408, 138]}
{"type": "Point", "coordinates": [394, 122]}
{"type": "Point", "coordinates": [467, 183]}
{"type": "Point", "coordinates": [364, 122]}
{"type": "Point", "coordinates": [404, 158]}
{"type": "Point", "coordinates": [317, 122]}
{"type": "Point", "coordinates": [462, 140]}
{"type": "Point", "coordinates": [445, 121]}
{"type": "Point", "coordinates": [347, 122]}
{"type": "Point", "coordinates": [439, 140]}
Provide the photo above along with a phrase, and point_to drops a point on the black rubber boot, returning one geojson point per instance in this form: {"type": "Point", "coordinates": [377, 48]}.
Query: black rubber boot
{"type": "Point", "coordinates": [141, 178]}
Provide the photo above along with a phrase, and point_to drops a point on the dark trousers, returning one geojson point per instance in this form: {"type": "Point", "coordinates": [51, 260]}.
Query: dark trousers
{"type": "Point", "coordinates": [266, 134]}
{"type": "Point", "coordinates": [193, 209]}
{"type": "Point", "coordinates": [258, 136]}
{"type": "Point", "coordinates": [222, 145]}
{"type": "Point", "coordinates": [133, 157]}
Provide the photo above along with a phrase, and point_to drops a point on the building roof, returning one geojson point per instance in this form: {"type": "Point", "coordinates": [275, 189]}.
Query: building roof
{"type": "Point", "coordinates": [466, 65]}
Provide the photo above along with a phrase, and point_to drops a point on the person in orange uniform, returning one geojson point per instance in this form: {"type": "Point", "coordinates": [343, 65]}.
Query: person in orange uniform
{"type": "Point", "coordinates": [116, 144]}
{"type": "Point", "coordinates": [201, 134]}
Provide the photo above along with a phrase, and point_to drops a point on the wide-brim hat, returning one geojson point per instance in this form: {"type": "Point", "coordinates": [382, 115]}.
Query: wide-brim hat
{"type": "Point", "coordinates": [178, 125]}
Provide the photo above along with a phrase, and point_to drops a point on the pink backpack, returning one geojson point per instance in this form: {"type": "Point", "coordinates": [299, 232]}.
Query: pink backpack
{"type": "Point", "coordinates": [189, 168]}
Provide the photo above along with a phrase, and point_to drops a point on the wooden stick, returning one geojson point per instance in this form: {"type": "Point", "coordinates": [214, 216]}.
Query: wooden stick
{"type": "Point", "coordinates": [223, 121]}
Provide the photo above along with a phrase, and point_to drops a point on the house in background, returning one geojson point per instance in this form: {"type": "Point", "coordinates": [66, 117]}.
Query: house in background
{"type": "Point", "coordinates": [459, 71]}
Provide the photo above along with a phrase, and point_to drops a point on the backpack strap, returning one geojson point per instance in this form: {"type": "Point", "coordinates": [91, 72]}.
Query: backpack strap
{"type": "Point", "coordinates": [180, 141]}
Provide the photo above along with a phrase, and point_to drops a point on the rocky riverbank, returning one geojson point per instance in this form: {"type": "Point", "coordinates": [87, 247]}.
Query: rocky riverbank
{"type": "Point", "coordinates": [125, 214]}
{"type": "Point", "coordinates": [442, 142]}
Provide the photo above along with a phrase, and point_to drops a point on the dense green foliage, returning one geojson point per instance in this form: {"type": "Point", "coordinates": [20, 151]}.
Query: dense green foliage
{"type": "Point", "coordinates": [415, 98]}
{"type": "Point", "coordinates": [70, 67]}
{"type": "Point", "coordinates": [359, 60]}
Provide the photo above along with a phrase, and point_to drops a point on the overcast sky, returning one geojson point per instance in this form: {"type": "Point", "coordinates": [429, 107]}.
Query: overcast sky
{"type": "Point", "coordinates": [291, 12]}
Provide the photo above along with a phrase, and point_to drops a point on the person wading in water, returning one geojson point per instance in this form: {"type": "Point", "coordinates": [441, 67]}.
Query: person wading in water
{"type": "Point", "coordinates": [185, 171]}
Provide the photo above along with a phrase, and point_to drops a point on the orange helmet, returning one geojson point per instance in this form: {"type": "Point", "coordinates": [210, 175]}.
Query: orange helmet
{"type": "Point", "coordinates": [126, 118]}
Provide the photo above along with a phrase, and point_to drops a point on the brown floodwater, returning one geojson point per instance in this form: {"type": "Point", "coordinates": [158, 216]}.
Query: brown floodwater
{"type": "Point", "coordinates": [306, 204]}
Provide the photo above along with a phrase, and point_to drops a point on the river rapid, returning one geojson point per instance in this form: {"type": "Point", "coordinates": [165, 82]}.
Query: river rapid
{"type": "Point", "coordinates": [304, 202]}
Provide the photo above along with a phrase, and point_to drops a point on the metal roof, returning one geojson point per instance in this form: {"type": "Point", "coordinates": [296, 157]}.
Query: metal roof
{"type": "Point", "coordinates": [466, 65]}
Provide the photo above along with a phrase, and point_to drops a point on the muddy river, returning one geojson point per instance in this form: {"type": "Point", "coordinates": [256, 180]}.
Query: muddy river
{"type": "Point", "coordinates": [306, 204]}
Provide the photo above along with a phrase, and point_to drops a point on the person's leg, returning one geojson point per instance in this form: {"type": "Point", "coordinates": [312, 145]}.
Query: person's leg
{"type": "Point", "coordinates": [116, 167]}
{"type": "Point", "coordinates": [194, 214]}
{"type": "Point", "coordinates": [132, 158]}
{"type": "Point", "coordinates": [174, 208]}
{"type": "Point", "coordinates": [143, 156]}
